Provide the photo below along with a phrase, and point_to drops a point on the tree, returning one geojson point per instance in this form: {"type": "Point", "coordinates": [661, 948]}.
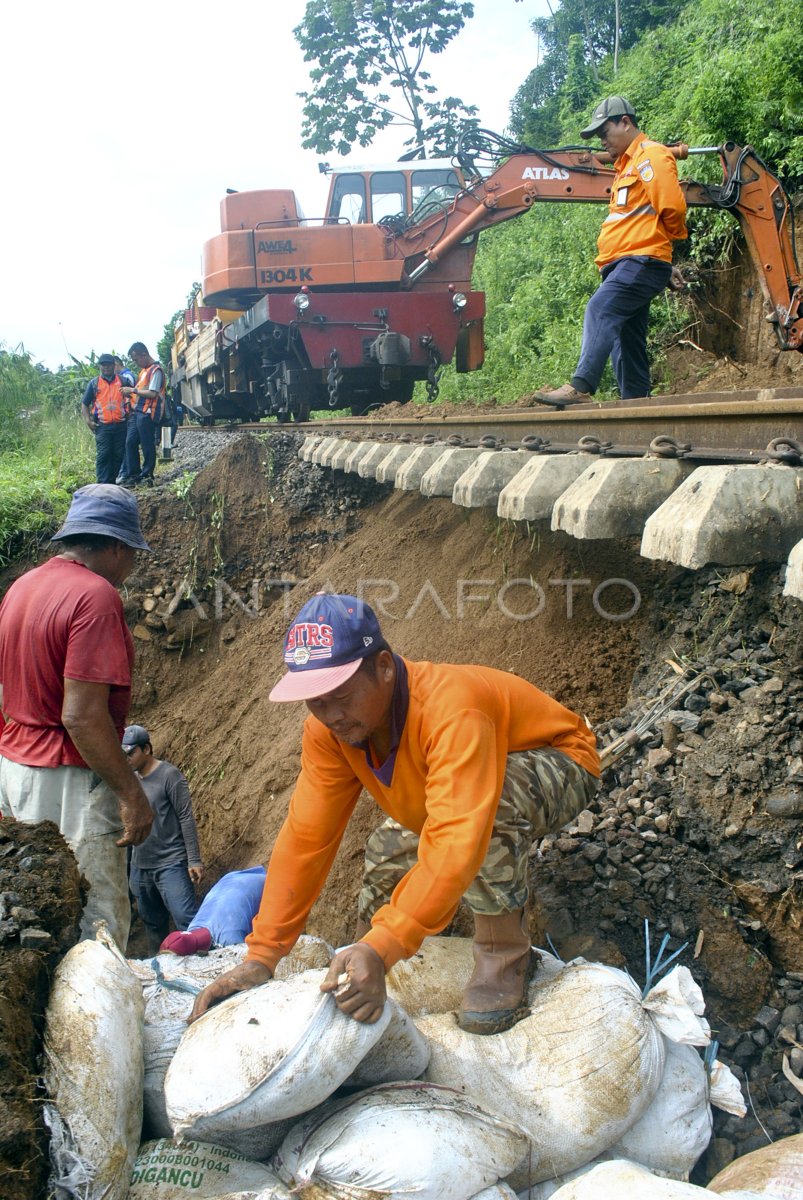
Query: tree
{"type": "Point", "coordinates": [371, 73]}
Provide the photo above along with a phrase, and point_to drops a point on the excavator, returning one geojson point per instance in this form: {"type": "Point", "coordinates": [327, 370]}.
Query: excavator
{"type": "Point", "coordinates": [352, 309]}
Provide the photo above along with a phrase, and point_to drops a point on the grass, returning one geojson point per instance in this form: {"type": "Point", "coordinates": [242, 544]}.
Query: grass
{"type": "Point", "coordinates": [46, 452]}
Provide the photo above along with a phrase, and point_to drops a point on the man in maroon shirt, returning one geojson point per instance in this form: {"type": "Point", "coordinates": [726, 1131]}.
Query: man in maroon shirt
{"type": "Point", "coordinates": [66, 657]}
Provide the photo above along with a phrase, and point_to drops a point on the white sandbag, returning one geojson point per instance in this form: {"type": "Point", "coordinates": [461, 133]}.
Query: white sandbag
{"type": "Point", "coordinates": [164, 1170]}
{"type": "Point", "coordinates": [575, 1074]}
{"type": "Point", "coordinates": [93, 1071]}
{"type": "Point", "coordinates": [774, 1172]}
{"type": "Point", "coordinates": [434, 979]}
{"type": "Point", "coordinates": [171, 984]}
{"type": "Point", "coordinates": [401, 1053]}
{"type": "Point", "coordinates": [398, 1141]}
{"type": "Point", "coordinates": [676, 1128]}
{"type": "Point", "coordinates": [499, 1191]}
{"type": "Point", "coordinates": [263, 1055]}
{"type": "Point", "coordinates": [620, 1180]}
{"type": "Point", "coordinates": [726, 1091]}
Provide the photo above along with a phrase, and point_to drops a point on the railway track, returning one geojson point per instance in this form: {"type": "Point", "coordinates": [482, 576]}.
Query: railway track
{"type": "Point", "coordinates": [745, 426]}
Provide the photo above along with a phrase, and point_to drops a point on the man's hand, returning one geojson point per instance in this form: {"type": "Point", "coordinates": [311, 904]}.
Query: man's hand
{"type": "Point", "coordinates": [128, 391]}
{"type": "Point", "coordinates": [195, 872]}
{"type": "Point", "coordinates": [238, 979]}
{"type": "Point", "coordinates": [676, 281]}
{"type": "Point", "coordinates": [362, 995]}
{"type": "Point", "coordinates": [137, 818]}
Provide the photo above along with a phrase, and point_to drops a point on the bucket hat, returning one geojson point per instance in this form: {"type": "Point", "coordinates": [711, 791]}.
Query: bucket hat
{"type": "Point", "coordinates": [105, 509]}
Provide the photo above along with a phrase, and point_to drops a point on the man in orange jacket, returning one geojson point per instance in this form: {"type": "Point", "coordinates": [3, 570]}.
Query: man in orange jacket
{"type": "Point", "coordinates": [647, 214]}
{"type": "Point", "coordinates": [470, 765]}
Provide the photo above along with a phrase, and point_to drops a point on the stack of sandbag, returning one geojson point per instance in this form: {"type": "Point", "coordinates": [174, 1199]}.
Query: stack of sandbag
{"type": "Point", "coordinates": [93, 1071]}
{"type": "Point", "coordinates": [261, 1057]}
{"type": "Point", "coordinates": [397, 1141]}
{"type": "Point", "coordinates": [580, 1071]}
{"type": "Point", "coordinates": [164, 1170]}
{"type": "Point", "coordinates": [170, 985]}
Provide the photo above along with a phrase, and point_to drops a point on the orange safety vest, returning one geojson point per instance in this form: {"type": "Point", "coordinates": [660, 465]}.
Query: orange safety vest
{"type": "Point", "coordinates": [110, 405]}
{"type": "Point", "coordinates": [150, 405]}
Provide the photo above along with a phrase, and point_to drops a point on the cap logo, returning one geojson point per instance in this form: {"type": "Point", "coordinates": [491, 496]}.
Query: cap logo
{"type": "Point", "coordinates": [307, 640]}
{"type": "Point", "coordinates": [366, 641]}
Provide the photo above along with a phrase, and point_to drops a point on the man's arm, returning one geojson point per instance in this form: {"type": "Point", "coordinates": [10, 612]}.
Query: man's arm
{"type": "Point", "coordinates": [85, 715]}
{"type": "Point", "coordinates": [87, 401]}
{"type": "Point", "coordinates": [179, 796]}
{"type": "Point", "coordinates": [665, 193]}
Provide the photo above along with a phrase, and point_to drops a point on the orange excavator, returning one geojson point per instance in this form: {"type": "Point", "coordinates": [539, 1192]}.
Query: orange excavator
{"type": "Point", "coordinates": [351, 309]}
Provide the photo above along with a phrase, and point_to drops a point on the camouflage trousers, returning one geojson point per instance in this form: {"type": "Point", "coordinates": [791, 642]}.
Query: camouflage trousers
{"type": "Point", "coordinates": [543, 790]}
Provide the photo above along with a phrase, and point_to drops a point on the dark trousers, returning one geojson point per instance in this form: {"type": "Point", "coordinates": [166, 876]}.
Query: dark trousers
{"type": "Point", "coordinates": [109, 450]}
{"type": "Point", "coordinates": [161, 894]}
{"type": "Point", "coordinates": [615, 326]}
{"type": "Point", "coordinates": [141, 433]}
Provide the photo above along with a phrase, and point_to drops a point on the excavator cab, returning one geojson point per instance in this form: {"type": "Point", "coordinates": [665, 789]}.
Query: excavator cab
{"type": "Point", "coordinates": [390, 192]}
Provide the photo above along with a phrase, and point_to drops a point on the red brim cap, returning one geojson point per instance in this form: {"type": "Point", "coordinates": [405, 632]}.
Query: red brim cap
{"type": "Point", "coordinates": [308, 685]}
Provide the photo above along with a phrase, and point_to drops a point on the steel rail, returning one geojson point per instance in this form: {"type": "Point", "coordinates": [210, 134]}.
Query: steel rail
{"type": "Point", "coordinates": [710, 426]}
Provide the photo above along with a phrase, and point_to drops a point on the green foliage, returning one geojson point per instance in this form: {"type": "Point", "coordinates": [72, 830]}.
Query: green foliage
{"type": "Point", "coordinates": [701, 73]}
{"type": "Point", "coordinates": [369, 72]}
{"type": "Point", "coordinates": [46, 451]}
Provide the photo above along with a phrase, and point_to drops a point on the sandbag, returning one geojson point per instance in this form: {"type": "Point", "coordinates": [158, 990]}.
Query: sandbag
{"type": "Point", "coordinates": [170, 985]}
{"type": "Point", "coordinates": [164, 1170]}
{"type": "Point", "coordinates": [575, 1074]}
{"type": "Point", "coordinates": [676, 1128]}
{"type": "Point", "coordinates": [433, 980]}
{"type": "Point", "coordinates": [774, 1172]}
{"type": "Point", "coordinates": [262, 1056]}
{"type": "Point", "coordinates": [397, 1141]}
{"type": "Point", "coordinates": [620, 1180]}
{"type": "Point", "coordinates": [499, 1191]}
{"type": "Point", "coordinates": [401, 1053]}
{"type": "Point", "coordinates": [93, 1071]}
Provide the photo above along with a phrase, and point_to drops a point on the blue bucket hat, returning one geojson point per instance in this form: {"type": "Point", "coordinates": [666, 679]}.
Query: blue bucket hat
{"type": "Point", "coordinates": [325, 645]}
{"type": "Point", "coordinates": [105, 509]}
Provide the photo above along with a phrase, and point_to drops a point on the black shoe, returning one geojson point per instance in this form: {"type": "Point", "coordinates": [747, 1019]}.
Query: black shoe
{"type": "Point", "coordinates": [143, 481]}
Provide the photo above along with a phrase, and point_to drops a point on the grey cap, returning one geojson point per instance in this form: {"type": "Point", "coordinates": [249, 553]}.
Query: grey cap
{"type": "Point", "coordinates": [136, 735]}
{"type": "Point", "coordinates": [106, 509]}
{"type": "Point", "coordinates": [105, 358]}
{"type": "Point", "coordinates": [611, 106]}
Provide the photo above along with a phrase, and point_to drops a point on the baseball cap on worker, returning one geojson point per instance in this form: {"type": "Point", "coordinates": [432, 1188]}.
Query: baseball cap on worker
{"type": "Point", "coordinates": [106, 509]}
{"type": "Point", "coordinates": [611, 106]}
{"type": "Point", "coordinates": [325, 645]}
{"type": "Point", "coordinates": [135, 735]}
{"type": "Point", "coordinates": [106, 359]}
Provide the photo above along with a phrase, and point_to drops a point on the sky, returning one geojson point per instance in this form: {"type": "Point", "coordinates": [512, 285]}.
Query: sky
{"type": "Point", "coordinates": [125, 125]}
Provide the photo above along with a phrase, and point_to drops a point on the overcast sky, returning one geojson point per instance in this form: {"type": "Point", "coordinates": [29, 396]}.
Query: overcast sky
{"type": "Point", "coordinates": [124, 126]}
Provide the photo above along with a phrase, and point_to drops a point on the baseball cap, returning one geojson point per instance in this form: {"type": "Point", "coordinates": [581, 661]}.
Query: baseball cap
{"type": "Point", "coordinates": [104, 508]}
{"type": "Point", "coordinates": [105, 358]}
{"type": "Point", "coordinates": [325, 645]}
{"type": "Point", "coordinates": [135, 735]}
{"type": "Point", "coordinates": [611, 106]}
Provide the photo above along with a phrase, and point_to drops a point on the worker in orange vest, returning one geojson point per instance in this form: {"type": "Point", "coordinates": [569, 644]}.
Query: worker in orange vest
{"type": "Point", "coordinates": [146, 402]}
{"type": "Point", "coordinates": [104, 408]}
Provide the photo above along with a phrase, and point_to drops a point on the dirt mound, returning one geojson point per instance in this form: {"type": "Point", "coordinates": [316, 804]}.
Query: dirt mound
{"type": "Point", "coordinates": [40, 910]}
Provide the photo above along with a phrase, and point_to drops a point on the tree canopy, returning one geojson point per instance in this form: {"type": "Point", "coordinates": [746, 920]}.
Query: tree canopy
{"type": "Point", "coordinates": [371, 72]}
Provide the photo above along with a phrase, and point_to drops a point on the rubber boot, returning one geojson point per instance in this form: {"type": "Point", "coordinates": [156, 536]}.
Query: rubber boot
{"type": "Point", "coordinates": [496, 995]}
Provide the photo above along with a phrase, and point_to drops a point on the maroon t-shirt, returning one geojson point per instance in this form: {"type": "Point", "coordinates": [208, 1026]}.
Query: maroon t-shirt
{"type": "Point", "coordinates": [59, 621]}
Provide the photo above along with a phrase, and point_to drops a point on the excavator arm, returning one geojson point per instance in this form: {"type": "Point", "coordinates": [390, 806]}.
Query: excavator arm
{"type": "Point", "coordinates": [749, 190]}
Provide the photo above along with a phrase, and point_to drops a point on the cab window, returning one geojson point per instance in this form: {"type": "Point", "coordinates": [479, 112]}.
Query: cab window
{"type": "Point", "coordinates": [436, 187]}
{"type": "Point", "coordinates": [348, 199]}
{"type": "Point", "coordinates": [387, 195]}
